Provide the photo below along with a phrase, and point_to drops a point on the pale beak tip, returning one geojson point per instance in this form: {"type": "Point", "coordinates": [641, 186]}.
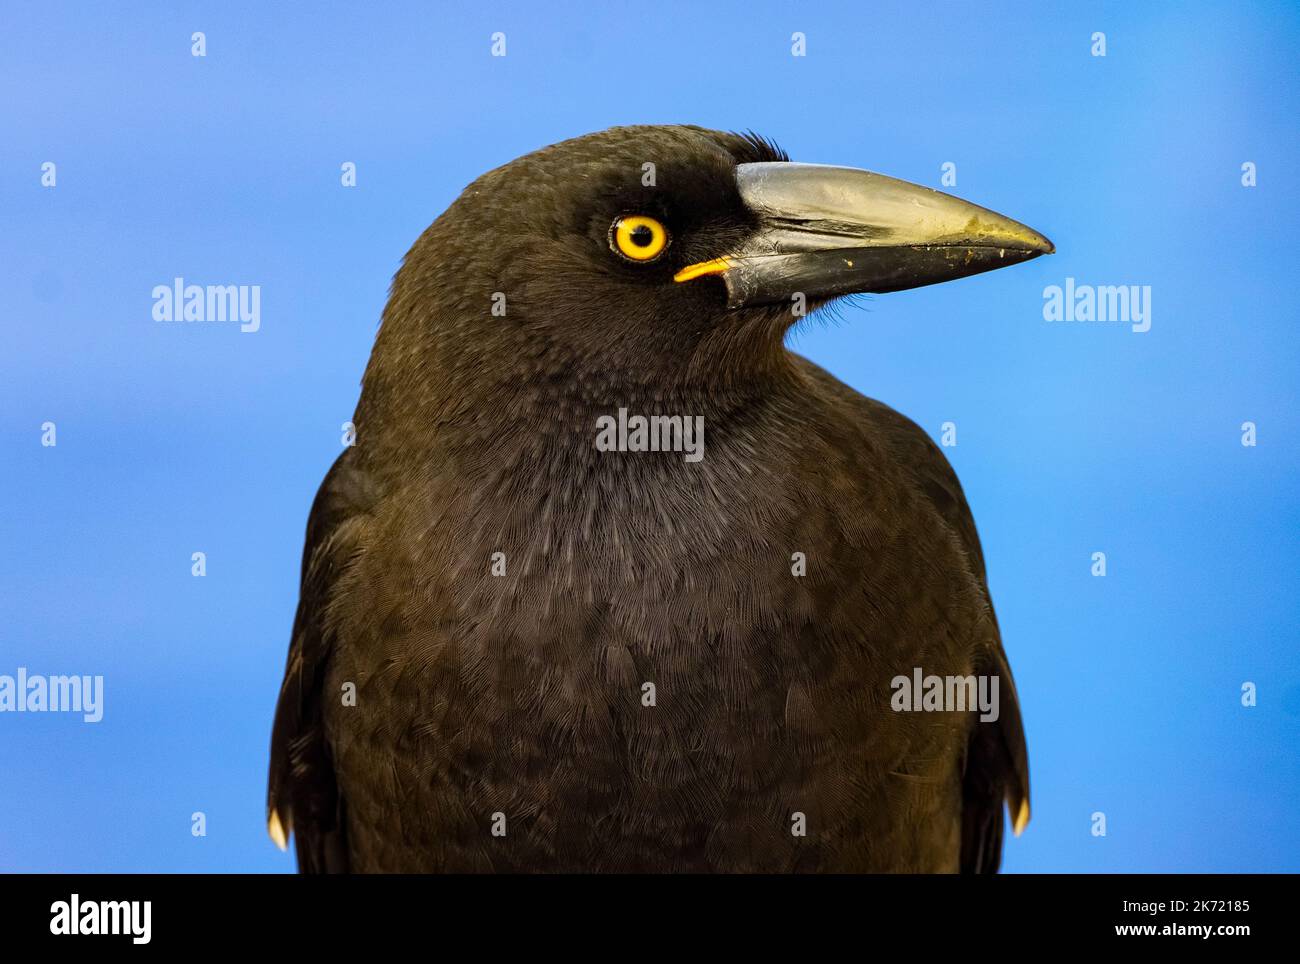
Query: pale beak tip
{"type": "Point", "coordinates": [1030, 240]}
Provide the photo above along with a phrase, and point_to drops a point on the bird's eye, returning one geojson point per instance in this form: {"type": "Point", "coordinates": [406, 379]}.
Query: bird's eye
{"type": "Point", "coordinates": [638, 238]}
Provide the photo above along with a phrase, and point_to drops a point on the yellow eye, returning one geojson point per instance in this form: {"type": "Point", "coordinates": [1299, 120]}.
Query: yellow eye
{"type": "Point", "coordinates": [638, 238]}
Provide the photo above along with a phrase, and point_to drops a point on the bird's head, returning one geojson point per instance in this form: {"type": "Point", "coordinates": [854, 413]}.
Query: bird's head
{"type": "Point", "coordinates": [663, 251]}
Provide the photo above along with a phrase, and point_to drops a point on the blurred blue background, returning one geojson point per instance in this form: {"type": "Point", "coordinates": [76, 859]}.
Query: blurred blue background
{"type": "Point", "coordinates": [1072, 438]}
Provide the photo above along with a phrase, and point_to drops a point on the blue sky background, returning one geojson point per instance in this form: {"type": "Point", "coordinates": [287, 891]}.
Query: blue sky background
{"type": "Point", "coordinates": [1071, 438]}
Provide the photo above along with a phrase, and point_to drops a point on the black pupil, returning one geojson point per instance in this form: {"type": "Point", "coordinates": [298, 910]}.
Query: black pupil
{"type": "Point", "coordinates": [642, 236]}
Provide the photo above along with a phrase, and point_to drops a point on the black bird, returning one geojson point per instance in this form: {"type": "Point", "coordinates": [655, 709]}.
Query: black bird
{"type": "Point", "coordinates": [519, 650]}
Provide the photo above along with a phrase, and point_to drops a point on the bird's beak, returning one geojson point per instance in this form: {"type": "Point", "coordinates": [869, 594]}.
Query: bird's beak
{"type": "Point", "coordinates": [827, 231]}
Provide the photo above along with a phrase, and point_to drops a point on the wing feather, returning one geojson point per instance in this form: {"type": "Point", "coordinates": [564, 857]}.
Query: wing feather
{"type": "Point", "coordinates": [996, 762]}
{"type": "Point", "coordinates": [302, 793]}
